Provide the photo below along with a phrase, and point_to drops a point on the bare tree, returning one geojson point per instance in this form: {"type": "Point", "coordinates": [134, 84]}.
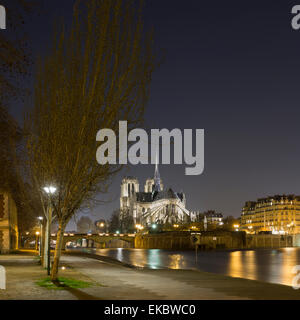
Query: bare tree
{"type": "Point", "coordinates": [126, 222]}
{"type": "Point", "coordinates": [96, 74]}
{"type": "Point", "coordinates": [114, 222]}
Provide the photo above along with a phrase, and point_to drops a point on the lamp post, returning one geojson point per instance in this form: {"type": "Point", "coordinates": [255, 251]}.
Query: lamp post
{"type": "Point", "coordinates": [37, 240]}
{"type": "Point", "coordinates": [41, 234]}
{"type": "Point", "coordinates": [50, 191]}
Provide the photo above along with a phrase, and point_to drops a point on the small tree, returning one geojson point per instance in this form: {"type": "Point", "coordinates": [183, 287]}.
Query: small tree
{"type": "Point", "coordinates": [229, 223]}
{"type": "Point", "coordinates": [126, 222]}
{"type": "Point", "coordinates": [114, 222]}
{"type": "Point", "coordinates": [96, 75]}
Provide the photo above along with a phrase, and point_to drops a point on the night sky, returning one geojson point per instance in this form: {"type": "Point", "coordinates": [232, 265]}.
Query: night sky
{"type": "Point", "coordinates": [231, 68]}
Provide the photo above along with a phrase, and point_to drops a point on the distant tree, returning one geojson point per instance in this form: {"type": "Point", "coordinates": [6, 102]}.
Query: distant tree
{"type": "Point", "coordinates": [126, 222]}
{"type": "Point", "coordinates": [199, 217]}
{"type": "Point", "coordinates": [114, 222]}
{"type": "Point", "coordinates": [85, 225]}
{"type": "Point", "coordinates": [229, 222]}
{"type": "Point", "coordinates": [96, 74]}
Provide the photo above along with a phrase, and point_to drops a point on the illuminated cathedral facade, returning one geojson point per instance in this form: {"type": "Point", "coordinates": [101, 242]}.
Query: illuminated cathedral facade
{"type": "Point", "coordinates": [154, 204]}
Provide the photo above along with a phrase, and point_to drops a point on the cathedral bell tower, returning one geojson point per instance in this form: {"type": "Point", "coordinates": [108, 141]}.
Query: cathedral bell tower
{"type": "Point", "coordinates": [129, 188]}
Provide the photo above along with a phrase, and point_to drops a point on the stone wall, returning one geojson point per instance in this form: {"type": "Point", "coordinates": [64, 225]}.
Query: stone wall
{"type": "Point", "coordinates": [221, 240]}
{"type": "Point", "coordinates": [269, 241]}
{"type": "Point", "coordinates": [171, 241]}
{"type": "Point", "coordinates": [214, 240]}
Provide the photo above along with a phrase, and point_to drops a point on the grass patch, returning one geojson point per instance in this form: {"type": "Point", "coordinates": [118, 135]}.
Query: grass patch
{"type": "Point", "coordinates": [65, 283]}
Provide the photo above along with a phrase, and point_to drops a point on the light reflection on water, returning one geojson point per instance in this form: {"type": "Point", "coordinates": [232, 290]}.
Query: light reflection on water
{"type": "Point", "coordinates": [269, 265]}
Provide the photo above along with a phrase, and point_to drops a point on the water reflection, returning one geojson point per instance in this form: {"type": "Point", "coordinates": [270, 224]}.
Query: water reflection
{"type": "Point", "coordinates": [250, 264]}
{"type": "Point", "coordinates": [289, 259]}
{"type": "Point", "coordinates": [176, 261]}
{"type": "Point", "coordinates": [235, 264]}
{"type": "Point", "coordinates": [269, 265]}
{"type": "Point", "coordinates": [154, 259]}
{"type": "Point", "coordinates": [120, 254]}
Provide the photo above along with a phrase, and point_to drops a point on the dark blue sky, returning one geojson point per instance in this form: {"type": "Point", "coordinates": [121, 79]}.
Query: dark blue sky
{"type": "Point", "coordinates": [231, 67]}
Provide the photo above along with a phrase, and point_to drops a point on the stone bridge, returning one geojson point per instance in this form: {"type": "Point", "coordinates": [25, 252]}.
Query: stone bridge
{"type": "Point", "coordinates": [97, 240]}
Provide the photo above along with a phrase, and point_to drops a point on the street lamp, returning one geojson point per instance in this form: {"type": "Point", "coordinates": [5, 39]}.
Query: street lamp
{"type": "Point", "coordinates": [236, 227]}
{"type": "Point", "coordinates": [139, 227]}
{"type": "Point", "coordinates": [41, 238]}
{"type": "Point", "coordinates": [37, 240]}
{"type": "Point", "coordinates": [50, 190]}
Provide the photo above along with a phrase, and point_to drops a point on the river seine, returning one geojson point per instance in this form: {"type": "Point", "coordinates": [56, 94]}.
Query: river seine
{"type": "Point", "coordinates": [268, 265]}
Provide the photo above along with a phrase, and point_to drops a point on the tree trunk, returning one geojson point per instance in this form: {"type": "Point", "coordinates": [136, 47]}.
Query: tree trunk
{"type": "Point", "coordinates": [57, 253]}
{"type": "Point", "coordinates": [45, 247]}
{"type": "Point", "coordinates": [43, 244]}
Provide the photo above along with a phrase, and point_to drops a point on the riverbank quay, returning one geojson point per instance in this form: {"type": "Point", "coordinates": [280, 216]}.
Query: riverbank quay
{"type": "Point", "coordinates": [114, 281]}
{"type": "Point", "coordinates": [213, 240]}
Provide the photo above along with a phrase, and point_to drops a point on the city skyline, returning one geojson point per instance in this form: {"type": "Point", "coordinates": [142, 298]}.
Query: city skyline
{"type": "Point", "coordinates": [150, 152]}
{"type": "Point", "coordinates": [229, 71]}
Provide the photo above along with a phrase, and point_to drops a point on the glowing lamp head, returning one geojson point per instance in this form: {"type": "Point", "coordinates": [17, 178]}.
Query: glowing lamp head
{"type": "Point", "coordinates": [50, 190]}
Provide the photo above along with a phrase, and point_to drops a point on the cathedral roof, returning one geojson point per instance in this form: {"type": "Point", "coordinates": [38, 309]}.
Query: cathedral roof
{"type": "Point", "coordinates": [158, 195]}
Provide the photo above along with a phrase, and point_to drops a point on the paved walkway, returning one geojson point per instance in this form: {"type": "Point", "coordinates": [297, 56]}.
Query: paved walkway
{"type": "Point", "coordinates": [22, 271]}
{"type": "Point", "coordinates": [122, 283]}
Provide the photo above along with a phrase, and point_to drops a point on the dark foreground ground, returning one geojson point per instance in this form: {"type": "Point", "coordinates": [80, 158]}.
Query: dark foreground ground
{"type": "Point", "coordinates": [114, 281]}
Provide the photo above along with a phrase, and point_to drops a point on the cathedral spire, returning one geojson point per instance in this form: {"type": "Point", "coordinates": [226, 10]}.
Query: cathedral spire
{"type": "Point", "coordinates": [156, 175]}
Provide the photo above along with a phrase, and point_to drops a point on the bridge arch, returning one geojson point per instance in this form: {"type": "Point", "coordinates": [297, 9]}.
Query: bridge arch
{"type": "Point", "coordinates": [98, 240]}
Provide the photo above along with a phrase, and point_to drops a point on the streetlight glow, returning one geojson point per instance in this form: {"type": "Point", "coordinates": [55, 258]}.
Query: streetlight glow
{"type": "Point", "coordinates": [50, 189]}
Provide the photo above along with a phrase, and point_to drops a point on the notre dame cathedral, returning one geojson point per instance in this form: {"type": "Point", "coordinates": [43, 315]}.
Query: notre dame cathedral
{"type": "Point", "coordinates": [154, 205]}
